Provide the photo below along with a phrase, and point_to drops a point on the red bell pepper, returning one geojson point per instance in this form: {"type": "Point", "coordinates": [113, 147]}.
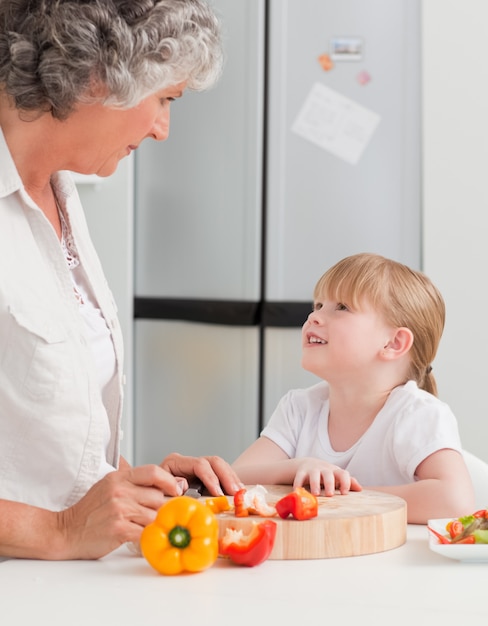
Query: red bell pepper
{"type": "Point", "coordinates": [251, 549]}
{"type": "Point", "coordinates": [300, 504]}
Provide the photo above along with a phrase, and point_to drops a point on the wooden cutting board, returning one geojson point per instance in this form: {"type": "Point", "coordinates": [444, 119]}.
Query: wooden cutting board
{"type": "Point", "coordinates": [358, 523]}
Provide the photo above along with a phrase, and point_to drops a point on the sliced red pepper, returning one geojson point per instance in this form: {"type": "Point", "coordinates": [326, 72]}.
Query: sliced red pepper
{"type": "Point", "coordinates": [454, 528]}
{"type": "Point", "coordinates": [251, 549]}
{"type": "Point", "coordinates": [468, 539]}
{"type": "Point", "coordinates": [240, 506]}
{"type": "Point", "coordinates": [453, 541]}
{"type": "Point", "coordinates": [442, 538]}
{"type": "Point", "coordinates": [252, 502]}
{"type": "Point", "coordinates": [481, 513]}
{"type": "Point", "coordinates": [300, 504]}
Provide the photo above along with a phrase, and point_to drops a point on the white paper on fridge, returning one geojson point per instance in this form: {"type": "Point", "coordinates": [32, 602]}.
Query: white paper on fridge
{"type": "Point", "coordinates": [336, 123]}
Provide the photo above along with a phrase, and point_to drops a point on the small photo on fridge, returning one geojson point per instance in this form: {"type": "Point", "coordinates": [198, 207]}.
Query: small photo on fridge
{"type": "Point", "coordinates": [346, 48]}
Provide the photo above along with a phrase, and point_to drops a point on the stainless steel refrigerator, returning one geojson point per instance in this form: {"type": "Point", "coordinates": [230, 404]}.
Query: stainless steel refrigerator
{"type": "Point", "coordinates": [307, 150]}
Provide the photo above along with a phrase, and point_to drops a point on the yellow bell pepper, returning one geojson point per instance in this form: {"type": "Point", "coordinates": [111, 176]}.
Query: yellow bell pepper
{"type": "Point", "coordinates": [182, 538]}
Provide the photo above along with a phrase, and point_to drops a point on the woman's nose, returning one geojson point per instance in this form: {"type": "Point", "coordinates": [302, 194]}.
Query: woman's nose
{"type": "Point", "coordinates": [160, 129]}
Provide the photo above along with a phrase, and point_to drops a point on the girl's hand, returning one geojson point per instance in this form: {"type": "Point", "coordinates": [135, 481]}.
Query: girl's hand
{"type": "Point", "coordinates": [317, 473]}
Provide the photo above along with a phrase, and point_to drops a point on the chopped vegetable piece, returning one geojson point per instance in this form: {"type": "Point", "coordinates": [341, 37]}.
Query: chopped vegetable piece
{"type": "Point", "coordinates": [481, 536]}
{"type": "Point", "coordinates": [218, 504]}
{"type": "Point", "coordinates": [454, 528]}
{"type": "Point", "coordinates": [468, 539]}
{"type": "Point", "coordinates": [251, 549]}
{"type": "Point", "coordinates": [300, 504]}
{"type": "Point", "coordinates": [253, 502]}
{"type": "Point", "coordinates": [183, 537]}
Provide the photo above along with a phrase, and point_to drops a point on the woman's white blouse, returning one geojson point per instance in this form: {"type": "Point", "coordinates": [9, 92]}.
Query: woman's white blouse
{"type": "Point", "coordinates": [53, 414]}
{"type": "Point", "coordinates": [98, 333]}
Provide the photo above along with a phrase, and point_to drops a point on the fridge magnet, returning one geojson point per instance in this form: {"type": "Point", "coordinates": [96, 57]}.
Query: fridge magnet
{"type": "Point", "coordinates": [335, 123]}
{"type": "Point", "coordinates": [346, 48]}
{"type": "Point", "coordinates": [363, 77]}
{"type": "Point", "coordinates": [326, 62]}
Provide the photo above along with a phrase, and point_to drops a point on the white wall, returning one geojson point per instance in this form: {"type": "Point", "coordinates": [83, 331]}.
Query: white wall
{"type": "Point", "coordinates": [455, 104]}
{"type": "Point", "coordinates": [455, 168]}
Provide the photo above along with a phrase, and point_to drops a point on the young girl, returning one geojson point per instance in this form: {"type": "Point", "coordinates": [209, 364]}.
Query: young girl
{"type": "Point", "coordinates": [375, 420]}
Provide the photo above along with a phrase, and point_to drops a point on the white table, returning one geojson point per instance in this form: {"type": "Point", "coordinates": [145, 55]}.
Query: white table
{"type": "Point", "coordinates": [409, 585]}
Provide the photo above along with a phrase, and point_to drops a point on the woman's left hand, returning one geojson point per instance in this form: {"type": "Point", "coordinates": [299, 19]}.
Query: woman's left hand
{"type": "Point", "coordinates": [215, 473]}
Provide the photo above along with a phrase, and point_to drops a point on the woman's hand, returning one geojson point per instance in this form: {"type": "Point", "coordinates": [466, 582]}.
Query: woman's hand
{"type": "Point", "coordinates": [316, 473]}
{"type": "Point", "coordinates": [114, 511]}
{"type": "Point", "coordinates": [215, 473]}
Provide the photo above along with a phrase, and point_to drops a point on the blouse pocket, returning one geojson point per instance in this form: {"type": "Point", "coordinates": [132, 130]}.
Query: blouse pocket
{"type": "Point", "coordinates": [36, 357]}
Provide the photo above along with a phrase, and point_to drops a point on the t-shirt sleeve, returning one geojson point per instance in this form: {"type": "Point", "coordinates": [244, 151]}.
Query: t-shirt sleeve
{"type": "Point", "coordinates": [427, 428]}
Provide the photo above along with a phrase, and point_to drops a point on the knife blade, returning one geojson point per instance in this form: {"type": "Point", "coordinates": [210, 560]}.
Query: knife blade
{"type": "Point", "coordinates": [195, 489]}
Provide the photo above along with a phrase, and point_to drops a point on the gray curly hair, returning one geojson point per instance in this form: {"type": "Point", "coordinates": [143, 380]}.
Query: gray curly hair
{"type": "Point", "coordinates": [53, 53]}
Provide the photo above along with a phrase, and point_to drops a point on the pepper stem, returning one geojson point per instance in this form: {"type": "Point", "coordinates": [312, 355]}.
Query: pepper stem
{"type": "Point", "coordinates": [179, 537]}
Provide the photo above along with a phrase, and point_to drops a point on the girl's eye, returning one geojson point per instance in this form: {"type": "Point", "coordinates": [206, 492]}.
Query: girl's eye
{"type": "Point", "coordinates": [340, 306]}
{"type": "Point", "coordinates": [317, 306]}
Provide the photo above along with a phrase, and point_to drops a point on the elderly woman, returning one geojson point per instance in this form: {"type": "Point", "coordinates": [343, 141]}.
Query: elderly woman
{"type": "Point", "coordinates": [82, 84]}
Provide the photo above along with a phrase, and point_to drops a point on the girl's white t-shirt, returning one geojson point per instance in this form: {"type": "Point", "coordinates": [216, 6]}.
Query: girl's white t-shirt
{"type": "Point", "coordinates": [412, 425]}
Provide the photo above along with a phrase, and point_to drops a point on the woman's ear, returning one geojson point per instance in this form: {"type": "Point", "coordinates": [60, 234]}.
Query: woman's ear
{"type": "Point", "coordinates": [399, 344]}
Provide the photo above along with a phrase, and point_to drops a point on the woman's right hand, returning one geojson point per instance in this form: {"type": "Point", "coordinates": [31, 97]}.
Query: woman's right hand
{"type": "Point", "coordinates": [114, 511]}
{"type": "Point", "coordinates": [317, 473]}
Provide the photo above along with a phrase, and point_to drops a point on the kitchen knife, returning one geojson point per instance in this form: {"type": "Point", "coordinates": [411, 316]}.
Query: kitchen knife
{"type": "Point", "coordinates": [195, 489]}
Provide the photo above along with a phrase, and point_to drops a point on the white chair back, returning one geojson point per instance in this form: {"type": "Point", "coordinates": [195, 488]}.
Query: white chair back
{"type": "Point", "coordinates": [479, 475]}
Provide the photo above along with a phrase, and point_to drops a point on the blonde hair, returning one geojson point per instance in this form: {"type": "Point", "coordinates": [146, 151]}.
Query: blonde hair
{"type": "Point", "coordinates": [403, 296]}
